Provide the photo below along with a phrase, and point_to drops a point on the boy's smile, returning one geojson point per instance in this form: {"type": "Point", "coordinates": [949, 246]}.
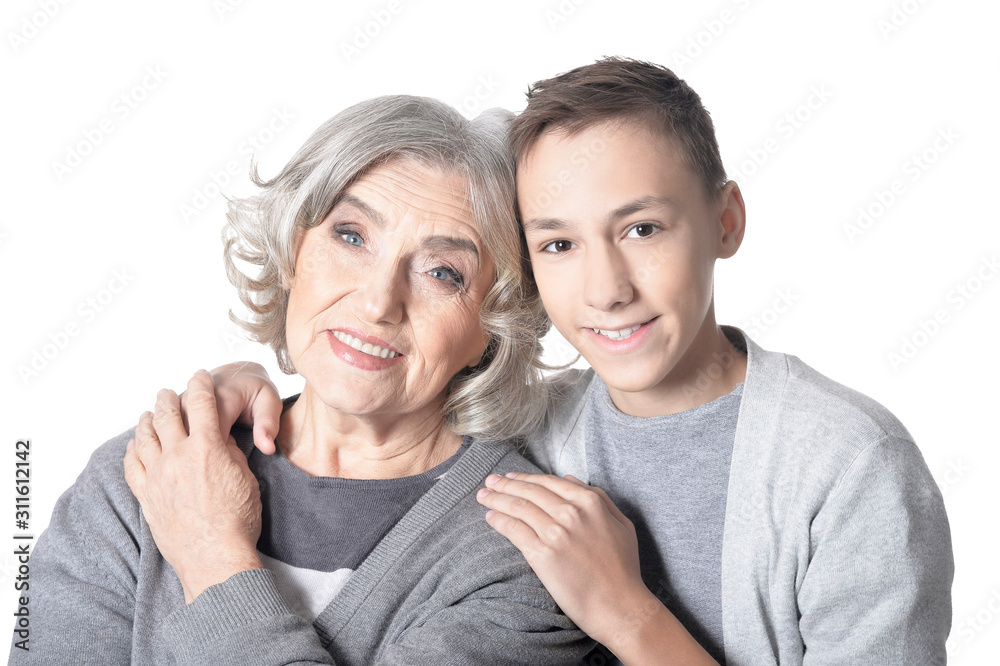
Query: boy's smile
{"type": "Point", "coordinates": [623, 242]}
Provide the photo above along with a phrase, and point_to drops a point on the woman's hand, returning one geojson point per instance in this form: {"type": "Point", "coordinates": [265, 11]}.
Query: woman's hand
{"type": "Point", "coordinates": [197, 494]}
{"type": "Point", "coordinates": [585, 552]}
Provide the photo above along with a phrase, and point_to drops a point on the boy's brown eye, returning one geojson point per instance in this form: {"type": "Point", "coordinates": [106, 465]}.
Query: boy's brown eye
{"type": "Point", "coordinates": [641, 231]}
{"type": "Point", "coordinates": [558, 246]}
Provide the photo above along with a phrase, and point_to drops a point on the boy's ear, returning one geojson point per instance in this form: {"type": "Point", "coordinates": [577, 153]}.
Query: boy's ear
{"type": "Point", "coordinates": [732, 219]}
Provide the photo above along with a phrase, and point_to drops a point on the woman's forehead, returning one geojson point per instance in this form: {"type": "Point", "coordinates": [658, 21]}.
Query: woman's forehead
{"type": "Point", "coordinates": [406, 195]}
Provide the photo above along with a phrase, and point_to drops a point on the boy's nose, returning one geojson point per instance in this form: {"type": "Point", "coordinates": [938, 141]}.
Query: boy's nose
{"type": "Point", "coordinates": [606, 281]}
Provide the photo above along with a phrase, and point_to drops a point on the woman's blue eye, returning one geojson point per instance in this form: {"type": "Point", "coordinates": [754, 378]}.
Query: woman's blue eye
{"type": "Point", "coordinates": [444, 274]}
{"type": "Point", "coordinates": [352, 238]}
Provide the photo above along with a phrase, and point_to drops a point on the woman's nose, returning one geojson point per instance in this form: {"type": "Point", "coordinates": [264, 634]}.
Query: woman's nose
{"type": "Point", "coordinates": [384, 293]}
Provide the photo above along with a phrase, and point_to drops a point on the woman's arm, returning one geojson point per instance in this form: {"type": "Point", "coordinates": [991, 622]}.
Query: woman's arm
{"type": "Point", "coordinates": [195, 491]}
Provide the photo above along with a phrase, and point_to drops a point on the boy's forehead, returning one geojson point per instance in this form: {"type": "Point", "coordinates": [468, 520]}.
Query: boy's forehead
{"type": "Point", "coordinates": [609, 162]}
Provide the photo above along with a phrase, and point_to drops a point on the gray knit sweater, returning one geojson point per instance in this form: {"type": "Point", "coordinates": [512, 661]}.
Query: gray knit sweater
{"type": "Point", "coordinates": [441, 588]}
{"type": "Point", "coordinates": [836, 547]}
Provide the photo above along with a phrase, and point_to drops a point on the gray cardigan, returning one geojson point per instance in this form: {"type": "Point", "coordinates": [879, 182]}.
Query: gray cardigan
{"type": "Point", "coordinates": [836, 546]}
{"type": "Point", "coordinates": [441, 588]}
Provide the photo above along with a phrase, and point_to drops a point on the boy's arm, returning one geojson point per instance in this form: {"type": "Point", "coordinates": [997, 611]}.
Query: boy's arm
{"type": "Point", "coordinates": [244, 393]}
{"type": "Point", "coordinates": [878, 586]}
{"type": "Point", "coordinates": [584, 550]}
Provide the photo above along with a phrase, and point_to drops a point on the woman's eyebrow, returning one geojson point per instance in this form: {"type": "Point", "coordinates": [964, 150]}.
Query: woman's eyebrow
{"type": "Point", "coordinates": [451, 243]}
{"type": "Point", "coordinates": [368, 211]}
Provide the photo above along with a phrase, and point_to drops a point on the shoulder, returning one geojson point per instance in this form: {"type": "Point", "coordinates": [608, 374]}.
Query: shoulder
{"type": "Point", "coordinates": [102, 483]}
{"type": "Point", "coordinates": [788, 402]}
{"type": "Point", "coordinates": [554, 447]}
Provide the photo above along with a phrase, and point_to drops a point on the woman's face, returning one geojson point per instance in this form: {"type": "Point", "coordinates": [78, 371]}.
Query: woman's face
{"type": "Point", "coordinates": [384, 306]}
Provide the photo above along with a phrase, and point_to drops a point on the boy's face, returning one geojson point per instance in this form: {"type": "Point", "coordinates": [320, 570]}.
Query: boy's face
{"type": "Point", "coordinates": [623, 239]}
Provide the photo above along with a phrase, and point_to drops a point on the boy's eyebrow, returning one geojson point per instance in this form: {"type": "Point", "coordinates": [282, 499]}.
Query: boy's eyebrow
{"type": "Point", "coordinates": [638, 205]}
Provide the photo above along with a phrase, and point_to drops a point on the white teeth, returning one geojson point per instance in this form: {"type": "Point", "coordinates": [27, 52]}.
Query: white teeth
{"type": "Point", "coordinates": [364, 347]}
{"type": "Point", "coordinates": [618, 335]}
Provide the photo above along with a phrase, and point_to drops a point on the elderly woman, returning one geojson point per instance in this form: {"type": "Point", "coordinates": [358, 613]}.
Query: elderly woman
{"type": "Point", "coordinates": [388, 272]}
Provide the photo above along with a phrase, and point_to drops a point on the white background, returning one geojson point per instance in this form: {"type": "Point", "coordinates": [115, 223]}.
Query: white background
{"type": "Point", "coordinates": [884, 78]}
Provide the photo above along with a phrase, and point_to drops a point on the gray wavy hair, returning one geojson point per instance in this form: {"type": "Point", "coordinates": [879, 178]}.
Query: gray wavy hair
{"type": "Point", "coordinates": [502, 397]}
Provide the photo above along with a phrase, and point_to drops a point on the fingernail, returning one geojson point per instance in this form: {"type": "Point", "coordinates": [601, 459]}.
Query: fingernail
{"type": "Point", "coordinates": [483, 492]}
{"type": "Point", "coordinates": [492, 478]}
{"type": "Point", "coordinates": [489, 514]}
{"type": "Point", "coordinates": [511, 475]}
{"type": "Point", "coordinates": [161, 392]}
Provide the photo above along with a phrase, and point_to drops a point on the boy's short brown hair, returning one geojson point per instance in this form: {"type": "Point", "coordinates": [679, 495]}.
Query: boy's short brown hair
{"type": "Point", "coordinates": [622, 89]}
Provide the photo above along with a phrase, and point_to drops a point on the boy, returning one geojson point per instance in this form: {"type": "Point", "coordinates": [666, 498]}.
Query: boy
{"type": "Point", "coordinates": [742, 507]}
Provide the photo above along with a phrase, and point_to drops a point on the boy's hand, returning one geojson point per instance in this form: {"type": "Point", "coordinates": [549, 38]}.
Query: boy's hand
{"type": "Point", "coordinates": [585, 552]}
{"type": "Point", "coordinates": [197, 493]}
{"type": "Point", "coordinates": [244, 393]}
{"type": "Point", "coordinates": [576, 540]}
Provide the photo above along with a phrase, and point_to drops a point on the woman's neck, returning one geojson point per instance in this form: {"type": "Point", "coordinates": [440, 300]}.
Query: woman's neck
{"type": "Point", "coordinates": [323, 441]}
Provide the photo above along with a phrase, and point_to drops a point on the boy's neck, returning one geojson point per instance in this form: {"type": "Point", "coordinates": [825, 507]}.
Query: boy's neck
{"type": "Point", "coordinates": [711, 368]}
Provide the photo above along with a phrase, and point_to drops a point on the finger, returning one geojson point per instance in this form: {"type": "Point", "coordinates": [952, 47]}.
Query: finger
{"type": "Point", "coordinates": [135, 472]}
{"type": "Point", "coordinates": [621, 517]}
{"type": "Point", "coordinates": [518, 507]}
{"type": "Point", "coordinates": [564, 488]}
{"type": "Point", "coordinates": [559, 507]}
{"type": "Point", "coordinates": [517, 532]}
{"type": "Point", "coordinates": [612, 507]}
{"type": "Point", "coordinates": [167, 419]}
{"type": "Point", "coordinates": [202, 412]}
{"type": "Point", "coordinates": [146, 443]}
{"type": "Point", "coordinates": [244, 393]}
{"type": "Point", "coordinates": [265, 414]}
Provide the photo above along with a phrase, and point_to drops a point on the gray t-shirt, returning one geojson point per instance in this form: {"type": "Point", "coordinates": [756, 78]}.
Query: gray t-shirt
{"type": "Point", "coordinates": [316, 530]}
{"type": "Point", "coordinates": [669, 475]}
